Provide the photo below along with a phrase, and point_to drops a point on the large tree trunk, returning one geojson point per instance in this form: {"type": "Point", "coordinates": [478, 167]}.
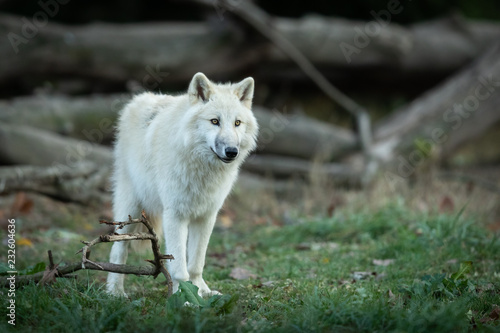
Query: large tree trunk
{"type": "Point", "coordinates": [440, 46]}
{"type": "Point", "coordinates": [154, 53]}
{"type": "Point", "coordinates": [301, 136]}
{"type": "Point", "coordinates": [90, 118]}
{"type": "Point", "coordinates": [284, 167]}
{"type": "Point", "coordinates": [437, 123]}
{"type": "Point", "coordinates": [28, 145]}
{"type": "Point", "coordinates": [82, 182]}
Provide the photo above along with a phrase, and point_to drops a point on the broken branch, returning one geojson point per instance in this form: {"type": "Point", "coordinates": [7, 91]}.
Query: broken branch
{"type": "Point", "coordinates": [57, 271]}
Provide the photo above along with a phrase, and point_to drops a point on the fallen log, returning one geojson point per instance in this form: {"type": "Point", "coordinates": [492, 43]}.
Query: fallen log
{"type": "Point", "coordinates": [31, 146]}
{"type": "Point", "coordinates": [301, 136]}
{"type": "Point", "coordinates": [153, 54]}
{"type": "Point", "coordinates": [434, 125]}
{"type": "Point", "coordinates": [27, 145]}
{"type": "Point", "coordinates": [285, 167]}
{"type": "Point", "coordinates": [147, 52]}
{"type": "Point", "coordinates": [439, 46]}
{"type": "Point", "coordinates": [92, 119]}
{"type": "Point", "coordinates": [83, 183]}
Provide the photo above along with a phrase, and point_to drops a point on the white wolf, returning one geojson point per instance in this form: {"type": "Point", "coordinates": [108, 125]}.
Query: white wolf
{"type": "Point", "coordinates": [177, 158]}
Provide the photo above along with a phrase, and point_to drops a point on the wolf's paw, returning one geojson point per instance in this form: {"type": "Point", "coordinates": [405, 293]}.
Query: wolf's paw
{"type": "Point", "coordinates": [117, 293]}
{"type": "Point", "coordinates": [207, 293]}
{"type": "Point", "coordinates": [203, 290]}
{"type": "Point", "coordinates": [114, 291]}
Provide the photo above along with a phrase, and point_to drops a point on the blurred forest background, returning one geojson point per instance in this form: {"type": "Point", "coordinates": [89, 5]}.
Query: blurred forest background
{"type": "Point", "coordinates": [371, 203]}
{"type": "Point", "coordinates": [362, 99]}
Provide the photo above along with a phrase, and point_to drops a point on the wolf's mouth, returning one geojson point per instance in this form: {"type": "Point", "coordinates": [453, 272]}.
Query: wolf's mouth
{"type": "Point", "coordinates": [223, 159]}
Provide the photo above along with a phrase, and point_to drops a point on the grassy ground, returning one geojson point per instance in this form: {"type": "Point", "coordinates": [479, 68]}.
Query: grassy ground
{"type": "Point", "coordinates": [390, 270]}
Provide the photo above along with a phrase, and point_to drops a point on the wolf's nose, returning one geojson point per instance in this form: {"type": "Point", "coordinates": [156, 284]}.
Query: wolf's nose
{"type": "Point", "coordinates": [231, 152]}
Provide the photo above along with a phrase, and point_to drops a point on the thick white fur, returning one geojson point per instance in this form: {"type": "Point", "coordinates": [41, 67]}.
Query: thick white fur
{"type": "Point", "coordinates": [168, 162]}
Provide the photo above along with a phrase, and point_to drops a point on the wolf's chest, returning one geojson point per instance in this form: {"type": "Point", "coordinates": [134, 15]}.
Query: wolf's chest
{"type": "Point", "coordinates": [194, 194]}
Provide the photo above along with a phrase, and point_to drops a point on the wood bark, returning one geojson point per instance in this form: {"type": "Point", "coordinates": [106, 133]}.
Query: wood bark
{"type": "Point", "coordinates": [54, 271]}
{"type": "Point", "coordinates": [90, 118]}
{"type": "Point", "coordinates": [76, 266]}
{"type": "Point", "coordinates": [93, 118]}
{"type": "Point", "coordinates": [84, 182]}
{"type": "Point", "coordinates": [301, 136]}
{"type": "Point", "coordinates": [437, 123]}
{"type": "Point", "coordinates": [443, 45]}
{"type": "Point", "coordinates": [284, 167]}
{"type": "Point", "coordinates": [27, 145]}
{"type": "Point", "coordinates": [154, 53]}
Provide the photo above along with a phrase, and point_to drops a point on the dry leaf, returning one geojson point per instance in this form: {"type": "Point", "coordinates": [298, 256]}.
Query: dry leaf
{"type": "Point", "coordinates": [334, 203]}
{"type": "Point", "coordinates": [383, 262]}
{"type": "Point", "coordinates": [493, 316]}
{"type": "Point", "coordinates": [261, 221]}
{"type": "Point", "coordinates": [239, 273]}
{"type": "Point", "coordinates": [495, 313]}
{"type": "Point", "coordinates": [331, 209]}
{"type": "Point", "coordinates": [24, 242]}
{"type": "Point", "coordinates": [303, 247]}
{"type": "Point", "coordinates": [22, 204]}
{"type": "Point", "coordinates": [342, 282]}
{"type": "Point", "coordinates": [88, 226]}
{"type": "Point", "coordinates": [446, 205]}
{"type": "Point", "coordinates": [494, 226]}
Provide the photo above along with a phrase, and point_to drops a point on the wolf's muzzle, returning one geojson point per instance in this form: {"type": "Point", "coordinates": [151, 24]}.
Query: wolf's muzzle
{"type": "Point", "coordinates": [230, 154]}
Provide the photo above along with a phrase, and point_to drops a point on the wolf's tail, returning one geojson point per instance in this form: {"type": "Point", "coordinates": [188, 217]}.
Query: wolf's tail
{"type": "Point", "coordinates": [144, 245]}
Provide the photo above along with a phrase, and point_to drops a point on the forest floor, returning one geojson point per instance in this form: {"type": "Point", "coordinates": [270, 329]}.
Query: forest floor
{"type": "Point", "coordinates": [401, 264]}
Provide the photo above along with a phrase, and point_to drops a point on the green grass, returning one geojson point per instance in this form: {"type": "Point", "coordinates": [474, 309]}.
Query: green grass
{"type": "Point", "coordinates": [304, 281]}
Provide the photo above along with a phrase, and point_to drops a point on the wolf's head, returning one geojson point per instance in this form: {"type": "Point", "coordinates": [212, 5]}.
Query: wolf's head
{"type": "Point", "coordinates": [222, 117]}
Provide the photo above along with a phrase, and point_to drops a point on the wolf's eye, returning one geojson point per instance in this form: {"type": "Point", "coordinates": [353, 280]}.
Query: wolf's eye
{"type": "Point", "coordinates": [214, 121]}
{"type": "Point", "coordinates": [237, 123]}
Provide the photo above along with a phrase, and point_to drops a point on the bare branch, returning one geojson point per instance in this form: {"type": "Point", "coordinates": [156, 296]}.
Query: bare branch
{"type": "Point", "coordinates": [56, 271]}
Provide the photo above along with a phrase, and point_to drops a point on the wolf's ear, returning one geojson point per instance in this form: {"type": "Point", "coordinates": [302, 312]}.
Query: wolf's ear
{"type": "Point", "coordinates": [199, 88]}
{"type": "Point", "coordinates": [244, 91]}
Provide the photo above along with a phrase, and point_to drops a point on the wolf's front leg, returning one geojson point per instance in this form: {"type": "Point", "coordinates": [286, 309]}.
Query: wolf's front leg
{"type": "Point", "coordinates": [199, 235]}
{"type": "Point", "coordinates": [175, 232]}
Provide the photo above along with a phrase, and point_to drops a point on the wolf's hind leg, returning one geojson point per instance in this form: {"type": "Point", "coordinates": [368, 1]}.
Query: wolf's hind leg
{"type": "Point", "coordinates": [123, 206]}
{"type": "Point", "coordinates": [118, 255]}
